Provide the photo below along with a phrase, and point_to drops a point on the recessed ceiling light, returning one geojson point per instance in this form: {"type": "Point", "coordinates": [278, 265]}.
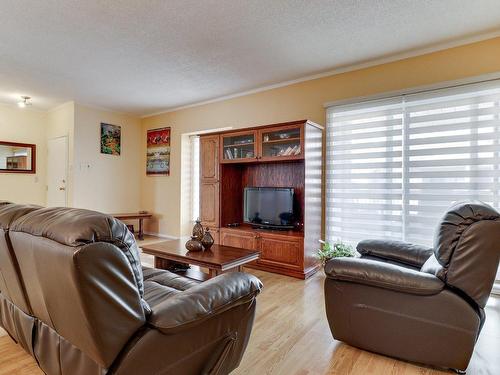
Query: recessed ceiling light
{"type": "Point", "coordinates": [24, 102]}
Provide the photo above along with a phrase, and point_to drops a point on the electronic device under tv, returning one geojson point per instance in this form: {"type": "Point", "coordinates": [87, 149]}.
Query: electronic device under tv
{"type": "Point", "coordinates": [267, 207]}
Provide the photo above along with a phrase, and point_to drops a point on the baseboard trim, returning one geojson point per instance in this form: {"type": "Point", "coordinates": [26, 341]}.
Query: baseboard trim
{"type": "Point", "coordinates": [161, 235]}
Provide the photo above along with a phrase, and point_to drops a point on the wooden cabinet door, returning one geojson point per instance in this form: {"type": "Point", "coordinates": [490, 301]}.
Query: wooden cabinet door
{"type": "Point", "coordinates": [236, 238]}
{"type": "Point", "coordinates": [238, 147]}
{"type": "Point", "coordinates": [281, 143]}
{"type": "Point", "coordinates": [209, 204]}
{"type": "Point", "coordinates": [209, 158]}
{"type": "Point", "coordinates": [281, 251]}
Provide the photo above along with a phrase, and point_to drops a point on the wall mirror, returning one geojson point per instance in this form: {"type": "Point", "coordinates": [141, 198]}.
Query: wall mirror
{"type": "Point", "coordinates": [17, 157]}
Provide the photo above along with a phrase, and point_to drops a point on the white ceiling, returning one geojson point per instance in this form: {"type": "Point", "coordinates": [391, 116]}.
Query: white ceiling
{"type": "Point", "coordinates": [146, 56]}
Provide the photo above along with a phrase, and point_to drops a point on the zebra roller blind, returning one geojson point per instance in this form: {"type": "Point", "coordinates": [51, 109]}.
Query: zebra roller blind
{"type": "Point", "coordinates": [394, 166]}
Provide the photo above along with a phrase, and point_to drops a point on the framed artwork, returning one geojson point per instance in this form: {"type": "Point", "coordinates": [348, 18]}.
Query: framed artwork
{"type": "Point", "coordinates": [111, 136]}
{"type": "Point", "coordinates": [158, 152]}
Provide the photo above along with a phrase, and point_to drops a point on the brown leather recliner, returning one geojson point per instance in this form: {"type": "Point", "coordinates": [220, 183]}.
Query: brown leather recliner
{"type": "Point", "coordinates": [416, 303]}
{"type": "Point", "coordinates": [74, 295]}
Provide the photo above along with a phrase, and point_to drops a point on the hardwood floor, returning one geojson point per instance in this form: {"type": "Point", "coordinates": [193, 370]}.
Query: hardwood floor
{"type": "Point", "coordinates": [14, 360]}
{"type": "Point", "coordinates": [291, 336]}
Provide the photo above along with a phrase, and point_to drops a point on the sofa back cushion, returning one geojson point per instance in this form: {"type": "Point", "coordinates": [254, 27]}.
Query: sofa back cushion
{"type": "Point", "coordinates": [11, 285]}
{"type": "Point", "coordinates": [83, 277]}
{"type": "Point", "coordinates": [467, 249]}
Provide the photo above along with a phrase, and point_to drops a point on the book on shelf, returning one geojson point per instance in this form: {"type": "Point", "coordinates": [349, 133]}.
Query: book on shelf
{"type": "Point", "coordinates": [290, 151]}
{"type": "Point", "coordinates": [229, 154]}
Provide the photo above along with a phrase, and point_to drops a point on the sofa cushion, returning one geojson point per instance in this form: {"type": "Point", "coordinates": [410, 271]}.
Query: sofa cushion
{"type": "Point", "coordinates": [9, 212]}
{"type": "Point", "coordinates": [77, 227]}
{"type": "Point", "coordinates": [161, 284]}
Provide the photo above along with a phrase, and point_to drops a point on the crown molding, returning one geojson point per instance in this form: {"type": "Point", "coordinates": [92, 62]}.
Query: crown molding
{"type": "Point", "coordinates": [59, 106]}
{"type": "Point", "coordinates": [343, 69]}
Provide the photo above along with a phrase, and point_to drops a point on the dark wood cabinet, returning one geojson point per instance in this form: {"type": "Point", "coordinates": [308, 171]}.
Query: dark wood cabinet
{"type": "Point", "coordinates": [278, 155]}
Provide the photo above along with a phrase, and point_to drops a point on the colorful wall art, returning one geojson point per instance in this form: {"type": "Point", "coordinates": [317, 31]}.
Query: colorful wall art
{"type": "Point", "coordinates": [158, 152]}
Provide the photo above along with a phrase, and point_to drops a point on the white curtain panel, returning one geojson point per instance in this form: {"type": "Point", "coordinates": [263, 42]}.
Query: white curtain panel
{"type": "Point", "coordinates": [394, 166]}
{"type": "Point", "coordinates": [194, 142]}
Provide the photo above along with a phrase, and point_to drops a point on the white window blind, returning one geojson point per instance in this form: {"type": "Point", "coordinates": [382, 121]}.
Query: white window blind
{"type": "Point", "coordinates": [394, 166]}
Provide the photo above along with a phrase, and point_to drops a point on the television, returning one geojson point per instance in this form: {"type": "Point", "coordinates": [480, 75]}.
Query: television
{"type": "Point", "coordinates": [267, 207]}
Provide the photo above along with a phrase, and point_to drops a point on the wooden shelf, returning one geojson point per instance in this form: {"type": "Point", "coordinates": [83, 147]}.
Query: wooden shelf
{"type": "Point", "coordinates": [284, 140]}
{"type": "Point", "coordinates": [240, 144]}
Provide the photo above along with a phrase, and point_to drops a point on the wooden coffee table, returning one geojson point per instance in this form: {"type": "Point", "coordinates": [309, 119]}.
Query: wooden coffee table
{"type": "Point", "coordinates": [218, 259]}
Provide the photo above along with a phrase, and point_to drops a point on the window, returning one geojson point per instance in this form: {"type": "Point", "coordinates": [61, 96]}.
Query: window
{"type": "Point", "coordinates": [394, 166]}
{"type": "Point", "coordinates": [195, 177]}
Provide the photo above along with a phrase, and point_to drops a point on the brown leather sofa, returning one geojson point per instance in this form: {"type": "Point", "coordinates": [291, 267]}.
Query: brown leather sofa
{"type": "Point", "coordinates": [416, 303]}
{"type": "Point", "coordinates": [74, 295]}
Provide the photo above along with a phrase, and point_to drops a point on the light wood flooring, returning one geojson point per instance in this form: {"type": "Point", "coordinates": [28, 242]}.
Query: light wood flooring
{"type": "Point", "coordinates": [291, 337]}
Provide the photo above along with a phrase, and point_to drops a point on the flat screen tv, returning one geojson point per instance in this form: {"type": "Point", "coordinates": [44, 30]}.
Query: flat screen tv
{"type": "Point", "coordinates": [266, 207]}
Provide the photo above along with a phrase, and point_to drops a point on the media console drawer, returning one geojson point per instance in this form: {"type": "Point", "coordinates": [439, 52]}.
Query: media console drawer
{"type": "Point", "coordinates": [238, 238]}
{"type": "Point", "coordinates": [278, 250]}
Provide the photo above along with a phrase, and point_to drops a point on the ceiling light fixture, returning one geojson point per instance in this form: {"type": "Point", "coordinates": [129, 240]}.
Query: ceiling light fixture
{"type": "Point", "coordinates": [24, 102]}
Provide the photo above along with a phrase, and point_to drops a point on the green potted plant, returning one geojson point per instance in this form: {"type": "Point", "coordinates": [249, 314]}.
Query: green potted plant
{"type": "Point", "coordinates": [337, 249]}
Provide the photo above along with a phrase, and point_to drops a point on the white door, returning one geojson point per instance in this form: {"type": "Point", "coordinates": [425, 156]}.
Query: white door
{"type": "Point", "coordinates": [57, 172]}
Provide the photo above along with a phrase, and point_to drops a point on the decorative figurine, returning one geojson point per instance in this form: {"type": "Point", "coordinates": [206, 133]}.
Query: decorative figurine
{"type": "Point", "coordinates": [207, 241]}
{"type": "Point", "coordinates": [198, 230]}
{"type": "Point", "coordinates": [194, 244]}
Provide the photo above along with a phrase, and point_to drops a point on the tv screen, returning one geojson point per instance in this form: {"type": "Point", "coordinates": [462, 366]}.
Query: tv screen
{"type": "Point", "coordinates": [268, 207]}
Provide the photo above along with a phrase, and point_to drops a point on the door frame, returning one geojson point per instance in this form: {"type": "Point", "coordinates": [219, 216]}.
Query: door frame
{"type": "Point", "coordinates": [66, 168]}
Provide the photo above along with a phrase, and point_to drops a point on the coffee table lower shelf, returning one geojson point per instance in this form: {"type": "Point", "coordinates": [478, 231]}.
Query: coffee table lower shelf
{"type": "Point", "coordinates": [194, 273]}
{"type": "Point", "coordinates": [173, 256]}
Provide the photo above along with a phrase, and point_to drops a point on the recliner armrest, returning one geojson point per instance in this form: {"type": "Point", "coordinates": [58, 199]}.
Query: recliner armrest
{"type": "Point", "coordinates": [203, 301]}
{"type": "Point", "coordinates": [399, 251]}
{"type": "Point", "coordinates": [383, 275]}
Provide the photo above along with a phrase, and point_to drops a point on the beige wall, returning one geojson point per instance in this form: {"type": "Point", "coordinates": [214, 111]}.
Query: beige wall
{"type": "Point", "coordinates": [95, 181]}
{"type": "Point", "coordinates": [102, 182]}
{"type": "Point", "coordinates": [299, 101]}
{"type": "Point", "coordinates": [24, 126]}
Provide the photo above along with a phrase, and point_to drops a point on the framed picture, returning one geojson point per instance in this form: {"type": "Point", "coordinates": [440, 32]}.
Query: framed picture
{"type": "Point", "coordinates": [158, 152]}
{"type": "Point", "coordinates": [111, 136]}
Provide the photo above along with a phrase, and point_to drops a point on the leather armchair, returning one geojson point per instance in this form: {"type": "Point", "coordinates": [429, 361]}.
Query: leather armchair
{"type": "Point", "coordinates": [74, 295]}
{"type": "Point", "coordinates": [418, 303]}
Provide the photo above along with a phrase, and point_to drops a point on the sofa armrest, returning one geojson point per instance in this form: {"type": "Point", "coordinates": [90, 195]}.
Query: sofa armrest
{"type": "Point", "coordinates": [204, 301]}
{"type": "Point", "coordinates": [402, 252]}
{"type": "Point", "coordinates": [383, 275]}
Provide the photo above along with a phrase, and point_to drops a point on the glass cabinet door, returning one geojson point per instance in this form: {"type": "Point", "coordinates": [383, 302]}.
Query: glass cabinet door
{"type": "Point", "coordinates": [238, 147]}
{"type": "Point", "coordinates": [284, 142]}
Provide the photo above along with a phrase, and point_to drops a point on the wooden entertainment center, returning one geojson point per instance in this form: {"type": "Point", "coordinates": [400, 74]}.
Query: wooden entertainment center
{"type": "Point", "coordinates": [277, 155]}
